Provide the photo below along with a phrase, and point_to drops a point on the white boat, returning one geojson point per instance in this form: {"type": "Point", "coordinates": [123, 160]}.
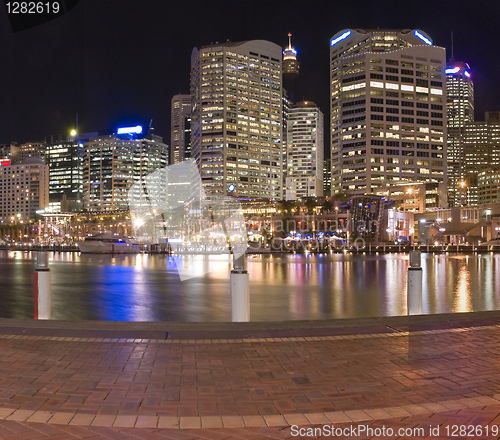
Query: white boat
{"type": "Point", "coordinates": [108, 244]}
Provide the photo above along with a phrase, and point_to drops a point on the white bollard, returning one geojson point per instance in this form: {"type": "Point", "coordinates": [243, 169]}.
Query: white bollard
{"type": "Point", "coordinates": [240, 296]}
{"type": "Point", "coordinates": [414, 295]}
{"type": "Point", "coordinates": [42, 287]}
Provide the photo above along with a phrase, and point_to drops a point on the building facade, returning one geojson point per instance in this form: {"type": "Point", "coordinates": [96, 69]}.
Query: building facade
{"type": "Point", "coordinates": [180, 129]}
{"type": "Point", "coordinates": [236, 126]}
{"type": "Point", "coordinates": [64, 155]}
{"type": "Point", "coordinates": [24, 189]}
{"type": "Point", "coordinates": [112, 164]}
{"type": "Point", "coordinates": [388, 115]}
{"type": "Point", "coordinates": [481, 156]}
{"type": "Point", "coordinates": [30, 150]}
{"type": "Point", "coordinates": [460, 111]}
{"type": "Point", "coordinates": [304, 175]}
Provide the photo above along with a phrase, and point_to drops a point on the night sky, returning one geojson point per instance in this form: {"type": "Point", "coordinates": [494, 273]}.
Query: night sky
{"type": "Point", "coordinates": [117, 62]}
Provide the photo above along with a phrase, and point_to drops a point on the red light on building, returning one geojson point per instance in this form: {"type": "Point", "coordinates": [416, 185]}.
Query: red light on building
{"type": "Point", "coordinates": [5, 162]}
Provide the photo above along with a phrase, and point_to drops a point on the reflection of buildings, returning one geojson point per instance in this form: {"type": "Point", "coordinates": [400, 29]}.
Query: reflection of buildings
{"type": "Point", "coordinates": [304, 177]}
{"type": "Point", "coordinates": [24, 189]}
{"type": "Point", "coordinates": [236, 126]}
{"type": "Point", "coordinates": [111, 164]}
{"type": "Point", "coordinates": [388, 119]}
{"type": "Point", "coordinates": [460, 111]}
{"type": "Point", "coordinates": [180, 129]}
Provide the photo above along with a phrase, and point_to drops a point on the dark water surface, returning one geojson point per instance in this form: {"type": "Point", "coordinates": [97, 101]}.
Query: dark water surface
{"type": "Point", "coordinates": [282, 287]}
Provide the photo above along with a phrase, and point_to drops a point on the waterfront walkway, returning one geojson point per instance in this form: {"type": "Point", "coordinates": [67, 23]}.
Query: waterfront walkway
{"type": "Point", "coordinates": [89, 380]}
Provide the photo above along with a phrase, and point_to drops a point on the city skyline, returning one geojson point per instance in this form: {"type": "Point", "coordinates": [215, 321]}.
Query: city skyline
{"type": "Point", "coordinates": [113, 64]}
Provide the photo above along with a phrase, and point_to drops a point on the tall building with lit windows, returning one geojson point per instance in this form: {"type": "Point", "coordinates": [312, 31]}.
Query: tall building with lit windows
{"type": "Point", "coordinates": [304, 177]}
{"type": "Point", "coordinates": [113, 163]}
{"type": "Point", "coordinates": [388, 111]}
{"type": "Point", "coordinates": [63, 155]}
{"type": "Point", "coordinates": [180, 128]}
{"type": "Point", "coordinates": [236, 125]}
{"type": "Point", "coordinates": [481, 145]}
{"type": "Point", "coordinates": [25, 190]}
{"type": "Point", "coordinates": [460, 111]}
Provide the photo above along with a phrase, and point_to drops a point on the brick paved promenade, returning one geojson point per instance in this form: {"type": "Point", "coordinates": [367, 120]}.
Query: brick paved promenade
{"type": "Point", "coordinates": [373, 373]}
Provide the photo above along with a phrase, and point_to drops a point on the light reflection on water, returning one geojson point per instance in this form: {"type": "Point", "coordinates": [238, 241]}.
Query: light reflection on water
{"type": "Point", "coordinates": [148, 288]}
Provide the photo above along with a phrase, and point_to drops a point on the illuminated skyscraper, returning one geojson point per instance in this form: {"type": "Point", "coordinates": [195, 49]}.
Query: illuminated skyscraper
{"type": "Point", "coordinates": [481, 158]}
{"type": "Point", "coordinates": [388, 118]}
{"type": "Point", "coordinates": [63, 155]}
{"type": "Point", "coordinates": [236, 126]}
{"type": "Point", "coordinates": [460, 110]}
{"type": "Point", "coordinates": [180, 130]}
{"type": "Point", "coordinates": [112, 164]}
{"type": "Point", "coordinates": [304, 151]}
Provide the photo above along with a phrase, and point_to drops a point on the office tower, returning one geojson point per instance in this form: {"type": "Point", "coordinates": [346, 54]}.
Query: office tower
{"type": "Point", "coordinates": [304, 151]}
{"type": "Point", "coordinates": [112, 164]}
{"type": "Point", "coordinates": [388, 116]}
{"type": "Point", "coordinates": [31, 150]}
{"type": "Point", "coordinates": [180, 130]}
{"type": "Point", "coordinates": [291, 70]}
{"type": "Point", "coordinates": [63, 155]}
{"type": "Point", "coordinates": [460, 111]}
{"type": "Point", "coordinates": [236, 126]}
{"type": "Point", "coordinates": [481, 141]}
{"type": "Point", "coordinates": [24, 189]}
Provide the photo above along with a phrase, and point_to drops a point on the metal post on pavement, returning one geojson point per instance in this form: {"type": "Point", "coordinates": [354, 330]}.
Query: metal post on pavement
{"type": "Point", "coordinates": [42, 286]}
{"type": "Point", "coordinates": [414, 300]}
{"type": "Point", "coordinates": [240, 296]}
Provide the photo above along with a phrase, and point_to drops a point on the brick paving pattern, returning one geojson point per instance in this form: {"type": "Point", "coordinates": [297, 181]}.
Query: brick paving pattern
{"type": "Point", "coordinates": [89, 388]}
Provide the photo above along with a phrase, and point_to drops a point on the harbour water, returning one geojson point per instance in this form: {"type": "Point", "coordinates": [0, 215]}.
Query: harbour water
{"type": "Point", "coordinates": [146, 287]}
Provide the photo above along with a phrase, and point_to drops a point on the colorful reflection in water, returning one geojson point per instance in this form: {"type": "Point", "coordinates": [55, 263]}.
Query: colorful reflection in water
{"type": "Point", "coordinates": [283, 287]}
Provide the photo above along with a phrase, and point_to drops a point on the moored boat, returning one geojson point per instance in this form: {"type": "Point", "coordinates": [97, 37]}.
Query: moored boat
{"type": "Point", "coordinates": [108, 244]}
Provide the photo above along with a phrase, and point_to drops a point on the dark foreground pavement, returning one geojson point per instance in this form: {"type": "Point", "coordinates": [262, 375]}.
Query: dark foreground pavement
{"type": "Point", "coordinates": [424, 377]}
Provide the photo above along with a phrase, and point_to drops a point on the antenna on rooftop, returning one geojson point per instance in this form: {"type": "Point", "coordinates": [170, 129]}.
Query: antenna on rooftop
{"type": "Point", "coordinates": [452, 54]}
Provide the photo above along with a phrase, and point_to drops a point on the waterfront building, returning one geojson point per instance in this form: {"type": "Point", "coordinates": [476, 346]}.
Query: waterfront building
{"type": "Point", "coordinates": [304, 175]}
{"type": "Point", "coordinates": [418, 196]}
{"type": "Point", "coordinates": [366, 215]}
{"type": "Point", "coordinates": [481, 156]}
{"type": "Point", "coordinates": [180, 129]}
{"type": "Point", "coordinates": [25, 190]}
{"type": "Point", "coordinates": [112, 164]}
{"type": "Point", "coordinates": [460, 111]}
{"type": "Point", "coordinates": [236, 126]}
{"type": "Point", "coordinates": [388, 116]}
